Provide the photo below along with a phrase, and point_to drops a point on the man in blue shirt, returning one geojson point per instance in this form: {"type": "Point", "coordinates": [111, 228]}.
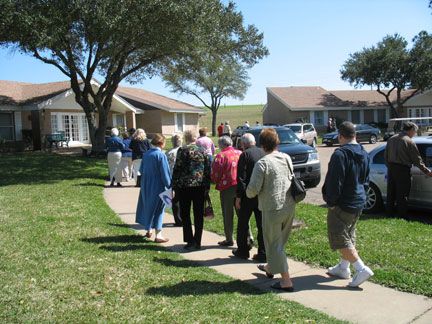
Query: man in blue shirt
{"type": "Point", "coordinates": [344, 191]}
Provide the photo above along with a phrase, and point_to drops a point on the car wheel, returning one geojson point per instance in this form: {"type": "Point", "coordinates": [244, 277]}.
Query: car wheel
{"type": "Point", "coordinates": [374, 201]}
{"type": "Point", "coordinates": [373, 139]}
{"type": "Point", "coordinates": [312, 183]}
{"type": "Point", "coordinates": [314, 142]}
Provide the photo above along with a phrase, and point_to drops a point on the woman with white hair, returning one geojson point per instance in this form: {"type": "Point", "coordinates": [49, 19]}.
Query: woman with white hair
{"type": "Point", "coordinates": [114, 146]}
{"type": "Point", "coordinates": [139, 145]}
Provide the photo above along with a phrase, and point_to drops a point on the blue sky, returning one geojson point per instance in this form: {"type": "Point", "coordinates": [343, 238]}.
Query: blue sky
{"type": "Point", "coordinates": [308, 40]}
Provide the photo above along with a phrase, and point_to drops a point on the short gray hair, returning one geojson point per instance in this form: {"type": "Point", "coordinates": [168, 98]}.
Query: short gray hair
{"type": "Point", "coordinates": [189, 136]}
{"type": "Point", "coordinates": [408, 126]}
{"type": "Point", "coordinates": [176, 140]}
{"type": "Point", "coordinates": [114, 131]}
{"type": "Point", "coordinates": [225, 141]}
{"type": "Point", "coordinates": [248, 139]}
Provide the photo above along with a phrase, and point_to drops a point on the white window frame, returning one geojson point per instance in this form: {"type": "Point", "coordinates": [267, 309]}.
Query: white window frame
{"type": "Point", "coordinates": [114, 118]}
{"type": "Point", "coordinates": [12, 126]}
{"type": "Point", "coordinates": [176, 126]}
{"type": "Point", "coordinates": [81, 132]}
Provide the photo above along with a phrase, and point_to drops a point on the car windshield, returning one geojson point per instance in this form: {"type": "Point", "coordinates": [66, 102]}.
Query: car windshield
{"type": "Point", "coordinates": [286, 136]}
{"type": "Point", "coordinates": [294, 128]}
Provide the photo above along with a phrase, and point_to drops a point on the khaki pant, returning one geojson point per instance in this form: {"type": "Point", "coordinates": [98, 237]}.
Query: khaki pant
{"type": "Point", "coordinates": [114, 161]}
{"type": "Point", "coordinates": [277, 225]}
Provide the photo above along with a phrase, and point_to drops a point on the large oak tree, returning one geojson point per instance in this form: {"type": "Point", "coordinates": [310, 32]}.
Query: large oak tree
{"type": "Point", "coordinates": [392, 67]}
{"type": "Point", "coordinates": [121, 40]}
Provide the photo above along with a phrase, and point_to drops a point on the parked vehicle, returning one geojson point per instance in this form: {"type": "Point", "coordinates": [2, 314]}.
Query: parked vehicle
{"type": "Point", "coordinates": [395, 126]}
{"type": "Point", "coordinates": [421, 187]}
{"type": "Point", "coordinates": [364, 133]}
{"type": "Point", "coordinates": [307, 166]}
{"type": "Point", "coordinates": [305, 132]}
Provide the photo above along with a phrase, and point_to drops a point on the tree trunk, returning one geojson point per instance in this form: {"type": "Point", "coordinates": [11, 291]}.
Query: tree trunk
{"type": "Point", "coordinates": [214, 115]}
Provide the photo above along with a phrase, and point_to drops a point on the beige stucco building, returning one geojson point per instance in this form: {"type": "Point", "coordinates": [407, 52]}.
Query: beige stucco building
{"type": "Point", "coordinates": [43, 109]}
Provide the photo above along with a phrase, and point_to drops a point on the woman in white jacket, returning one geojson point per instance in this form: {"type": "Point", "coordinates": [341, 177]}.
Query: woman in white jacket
{"type": "Point", "coordinates": [271, 182]}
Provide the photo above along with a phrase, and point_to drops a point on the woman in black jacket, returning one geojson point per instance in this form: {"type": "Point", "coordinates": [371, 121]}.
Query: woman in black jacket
{"type": "Point", "coordinates": [139, 145]}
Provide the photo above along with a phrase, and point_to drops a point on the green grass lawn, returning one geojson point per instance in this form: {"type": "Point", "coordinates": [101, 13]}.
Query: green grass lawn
{"type": "Point", "coordinates": [236, 115]}
{"type": "Point", "coordinates": [398, 251]}
{"type": "Point", "coordinates": [66, 257]}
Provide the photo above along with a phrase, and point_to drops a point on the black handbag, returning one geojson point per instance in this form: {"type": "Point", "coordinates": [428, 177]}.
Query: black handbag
{"type": "Point", "coordinates": [298, 190]}
{"type": "Point", "coordinates": [208, 208]}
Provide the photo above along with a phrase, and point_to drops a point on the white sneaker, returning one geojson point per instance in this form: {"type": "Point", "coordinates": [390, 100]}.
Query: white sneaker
{"type": "Point", "coordinates": [337, 271]}
{"type": "Point", "coordinates": [361, 276]}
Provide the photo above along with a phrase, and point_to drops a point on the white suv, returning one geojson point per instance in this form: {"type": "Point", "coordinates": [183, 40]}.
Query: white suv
{"type": "Point", "coordinates": [305, 132]}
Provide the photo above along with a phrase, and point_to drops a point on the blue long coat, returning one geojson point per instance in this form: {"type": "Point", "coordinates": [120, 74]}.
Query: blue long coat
{"type": "Point", "coordinates": [155, 178]}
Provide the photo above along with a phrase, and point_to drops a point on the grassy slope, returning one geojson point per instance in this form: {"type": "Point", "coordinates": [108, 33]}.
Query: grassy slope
{"type": "Point", "coordinates": [236, 115]}
{"type": "Point", "coordinates": [66, 257]}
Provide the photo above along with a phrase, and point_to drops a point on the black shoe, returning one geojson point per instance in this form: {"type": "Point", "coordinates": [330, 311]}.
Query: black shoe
{"type": "Point", "coordinates": [177, 224]}
{"type": "Point", "coordinates": [119, 184]}
{"type": "Point", "coordinates": [189, 246]}
{"type": "Point", "coordinates": [278, 286]}
{"type": "Point", "coordinates": [236, 253]}
{"type": "Point", "coordinates": [259, 258]}
{"type": "Point", "coordinates": [226, 243]}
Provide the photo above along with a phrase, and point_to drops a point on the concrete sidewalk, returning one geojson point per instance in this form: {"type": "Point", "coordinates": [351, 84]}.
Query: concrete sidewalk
{"type": "Point", "coordinates": [370, 304]}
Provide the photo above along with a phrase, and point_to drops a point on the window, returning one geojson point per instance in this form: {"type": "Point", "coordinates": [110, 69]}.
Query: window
{"type": "Point", "coordinates": [307, 128]}
{"type": "Point", "coordinates": [426, 153]}
{"type": "Point", "coordinates": [179, 120]}
{"type": "Point", "coordinates": [355, 116]}
{"type": "Point", "coordinates": [382, 116]}
{"type": "Point", "coordinates": [379, 158]}
{"type": "Point", "coordinates": [118, 120]}
{"type": "Point", "coordinates": [7, 128]}
{"type": "Point", "coordinates": [319, 118]}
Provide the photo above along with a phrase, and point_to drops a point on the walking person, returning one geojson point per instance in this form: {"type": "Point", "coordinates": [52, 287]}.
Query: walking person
{"type": "Point", "coordinates": [176, 142]}
{"type": "Point", "coordinates": [191, 182]}
{"type": "Point", "coordinates": [126, 161]}
{"type": "Point", "coordinates": [155, 179]}
{"type": "Point", "coordinates": [220, 129]}
{"type": "Point", "coordinates": [400, 154]}
{"type": "Point", "coordinates": [344, 191]}
{"type": "Point", "coordinates": [139, 145]}
{"type": "Point", "coordinates": [271, 182]}
{"type": "Point", "coordinates": [245, 206]}
{"type": "Point", "coordinates": [224, 174]}
{"type": "Point", "coordinates": [114, 146]}
{"type": "Point", "coordinates": [227, 129]}
{"type": "Point", "coordinates": [206, 143]}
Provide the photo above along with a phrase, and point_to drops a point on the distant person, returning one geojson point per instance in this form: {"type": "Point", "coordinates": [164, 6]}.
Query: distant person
{"type": "Point", "coordinates": [126, 162]}
{"type": "Point", "coordinates": [271, 182]}
{"type": "Point", "coordinates": [400, 154]}
{"type": "Point", "coordinates": [246, 124]}
{"type": "Point", "coordinates": [245, 206]}
{"type": "Point", "coordinates": [344, 191]}
{"type": "Point", "coordinates": [156, 179]}
{"type": "Point", "coordinates": [329, 125]}
{"type": "Point", "coordinates": [139, 145]}
{"type": "Point", "coordinates": [176, 141]}
{"type": "Point", "coordinates": [191, 183]}
{"type": "Point", "coordinates": [257, 123]}
{"type": "Point", "coordinates": [220, 129]}
{"type": "Point", "coordinates": [206, 143]}
{"type": "Point", "coordinates": [224, 174]}
{"type": "Point", "coordinates": [227, 129]}
{"type": "Point", "coordinates": [114, 146]}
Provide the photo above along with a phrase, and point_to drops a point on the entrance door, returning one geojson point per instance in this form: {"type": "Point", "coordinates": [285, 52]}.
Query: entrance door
{"type": "Point", "coordinates": [73, 124]}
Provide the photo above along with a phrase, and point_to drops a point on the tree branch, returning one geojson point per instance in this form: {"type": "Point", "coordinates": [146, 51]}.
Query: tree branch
{"type": "Point", "coordinates": [50, 61]}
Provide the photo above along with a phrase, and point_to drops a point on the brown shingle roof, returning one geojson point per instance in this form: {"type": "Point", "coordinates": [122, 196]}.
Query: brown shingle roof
{"type": "Point", "coordinates": [19, 93]}
{"type": "Point", "coordinates": [318, 97]}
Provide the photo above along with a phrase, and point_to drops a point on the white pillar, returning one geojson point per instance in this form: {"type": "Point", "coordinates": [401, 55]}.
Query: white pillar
{"type": "Point", "coordinates": [375, 115]}
{"type": "Point", "coordinates": [18, 125]}
{"type": "Point", "coordinates": [361, 116]}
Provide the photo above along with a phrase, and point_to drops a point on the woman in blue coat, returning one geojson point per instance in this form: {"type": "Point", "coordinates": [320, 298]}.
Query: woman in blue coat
{"type": "Point", "coordinates": [155, 178]}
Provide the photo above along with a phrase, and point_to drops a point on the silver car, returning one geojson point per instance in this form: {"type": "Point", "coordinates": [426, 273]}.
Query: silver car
{"type": "Point", "coordinates": [421, 187]}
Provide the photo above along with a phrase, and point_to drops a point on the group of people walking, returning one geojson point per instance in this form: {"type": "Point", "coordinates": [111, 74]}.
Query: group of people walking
{"type": "Point", "coordinates": [255, 180]}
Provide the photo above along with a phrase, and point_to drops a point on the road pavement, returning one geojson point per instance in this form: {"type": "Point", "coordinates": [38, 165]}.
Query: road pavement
{"type": "Point", "coordinates": [314, 195]}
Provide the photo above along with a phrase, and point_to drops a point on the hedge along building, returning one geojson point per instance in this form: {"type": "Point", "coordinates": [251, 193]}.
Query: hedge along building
{"type": "Point", "coordinates": [42, 109]}
{"type": "Point", "coordinates": [316, 104]}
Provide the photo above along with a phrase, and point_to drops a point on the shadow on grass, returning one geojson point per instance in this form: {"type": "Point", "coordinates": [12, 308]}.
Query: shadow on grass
{"type": "Point", "coordinates": [132, 247]}
{"type": "Point", "coordinates": [41, 167]}
{"type": "Point", "coordinates": [116, 239]}
{"type": "Point", "coordinates": [133, 226]}
{"type": "Point", "coordinates": [419, 216]}
{"type": "Point", "coordinates": [204, 287]}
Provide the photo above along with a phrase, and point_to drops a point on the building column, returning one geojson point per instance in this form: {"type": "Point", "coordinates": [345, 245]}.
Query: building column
{"type": "Point", "coordinates": [375, 115]}
{"type": "Point", "coordinates": [130, 120]}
